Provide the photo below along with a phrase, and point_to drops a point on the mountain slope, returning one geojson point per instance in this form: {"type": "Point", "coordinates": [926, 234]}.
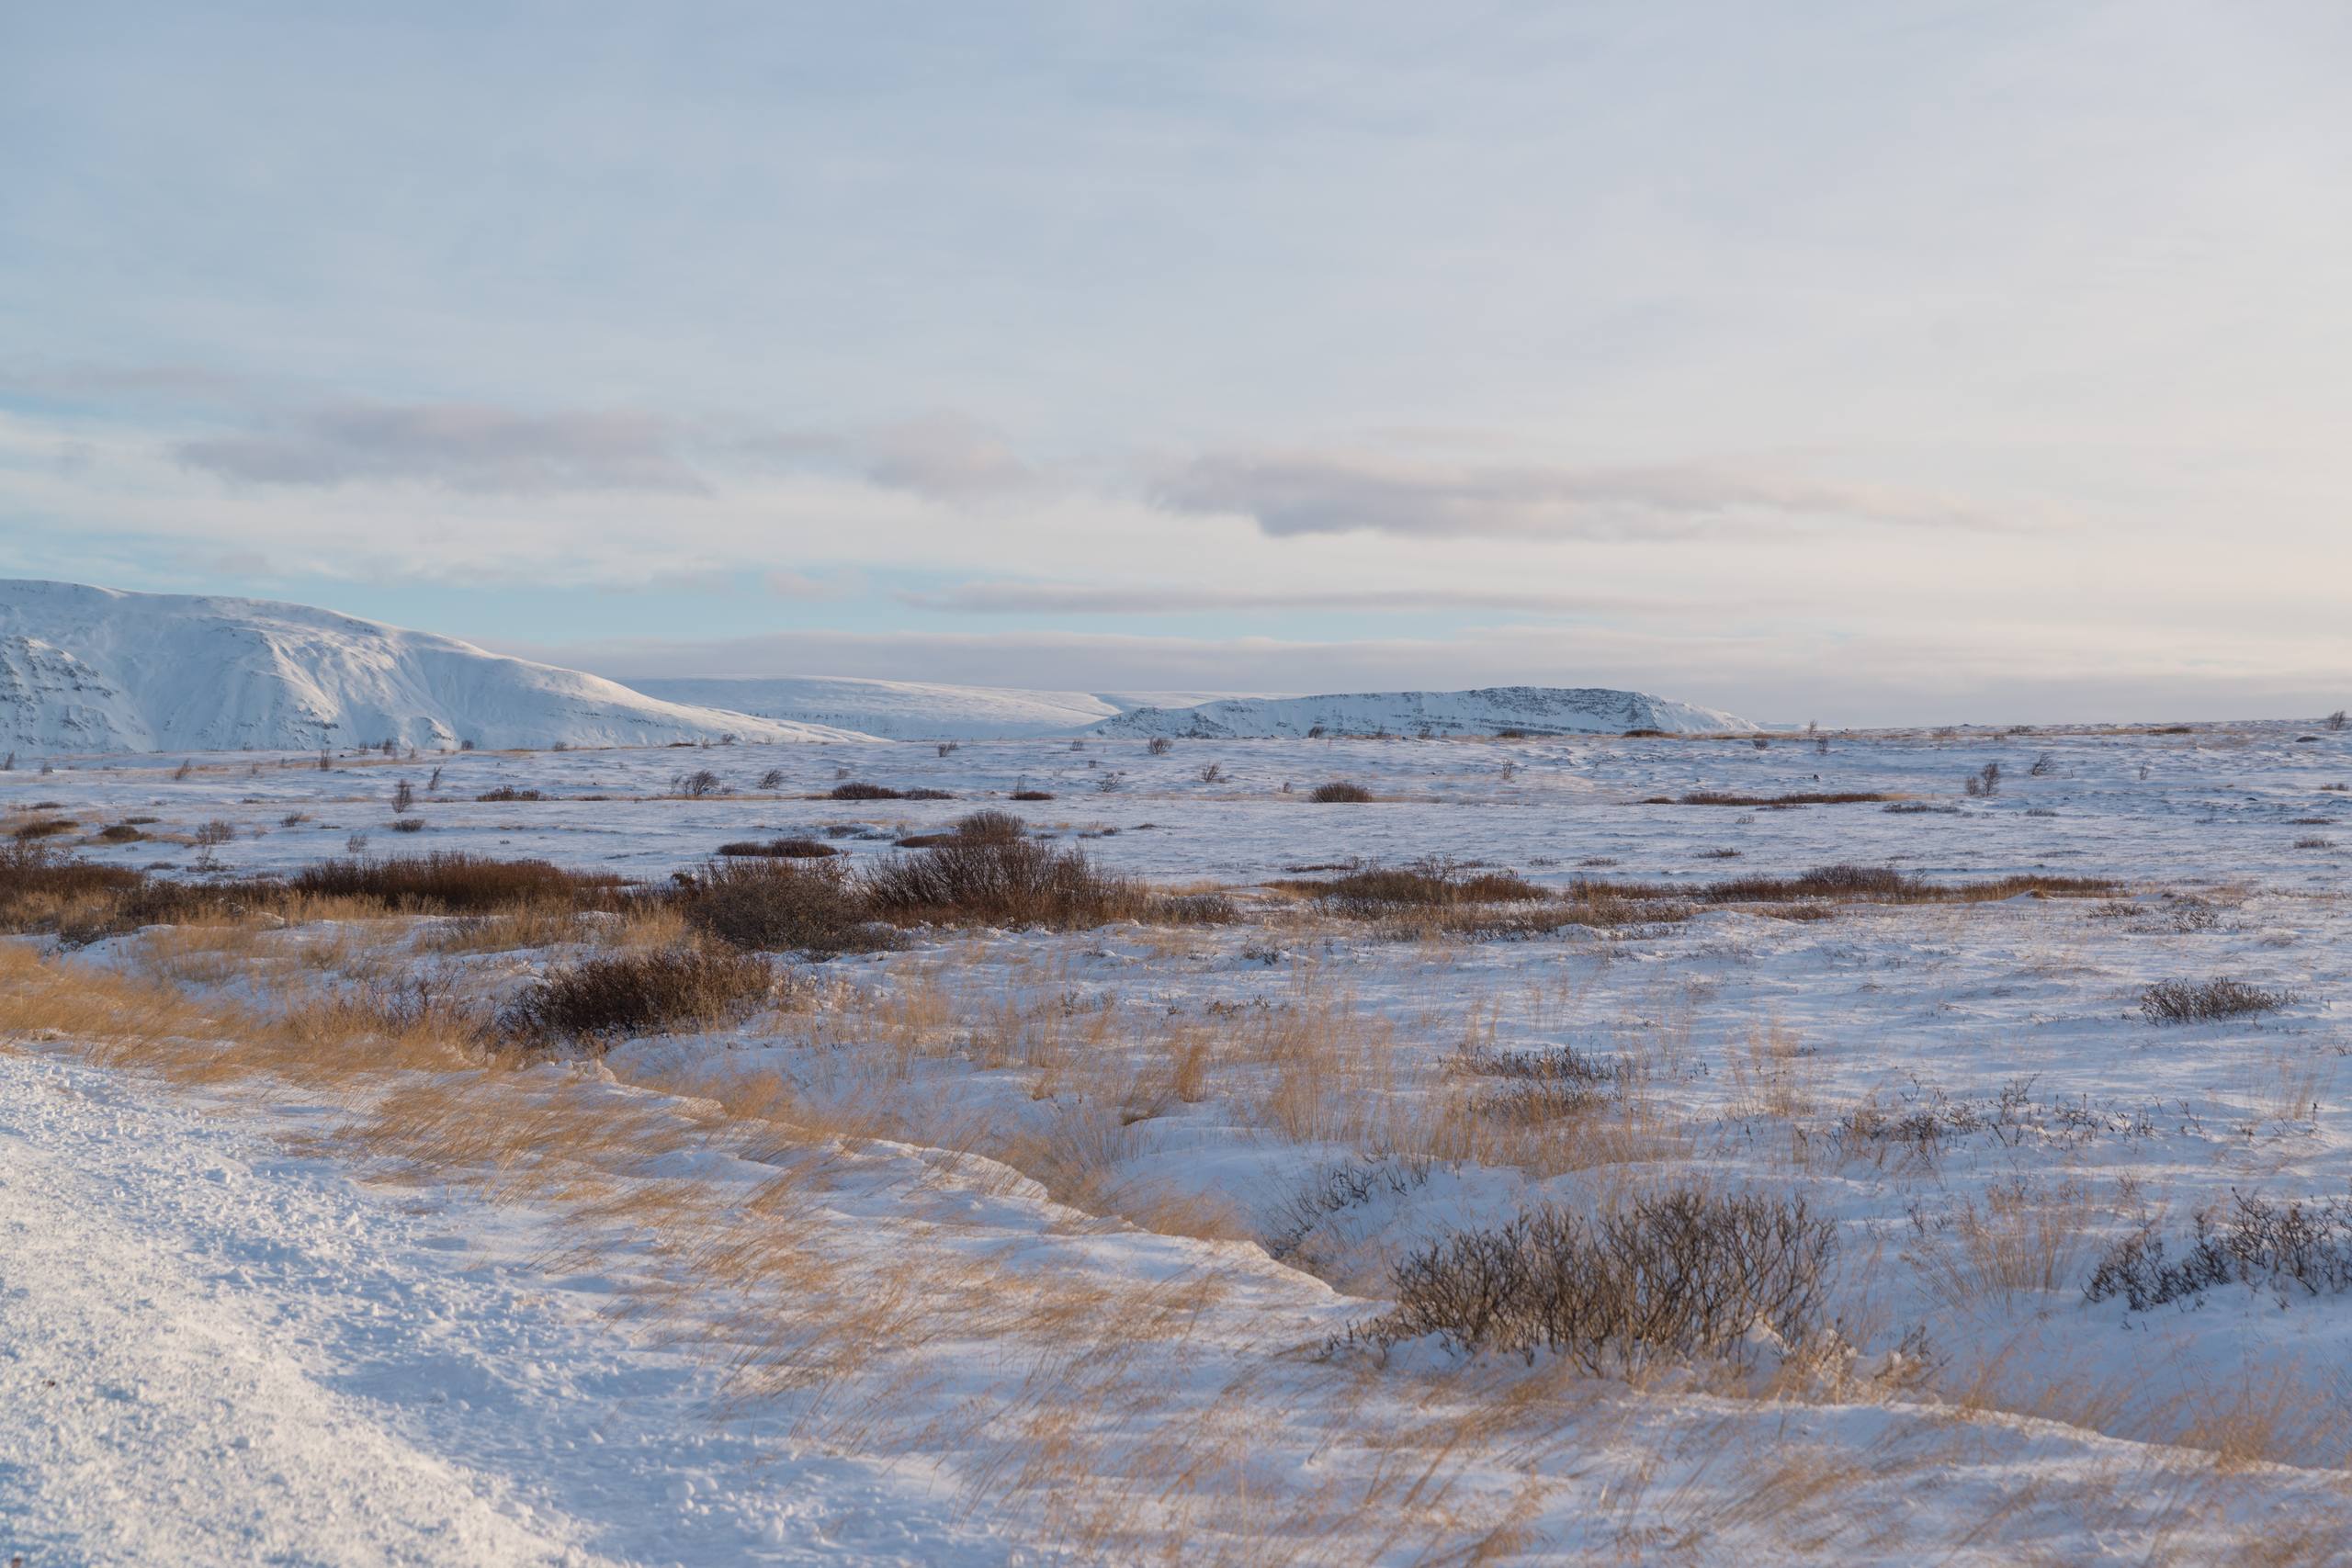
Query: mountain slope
{"type": "Point", "coordinates": [96, 670]}
{"type": "Point", "coordinates": [1538, 710]}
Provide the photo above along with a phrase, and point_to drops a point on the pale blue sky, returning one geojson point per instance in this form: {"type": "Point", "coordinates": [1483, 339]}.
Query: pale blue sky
{"type": "Point", "coordinates": [1859, 362]}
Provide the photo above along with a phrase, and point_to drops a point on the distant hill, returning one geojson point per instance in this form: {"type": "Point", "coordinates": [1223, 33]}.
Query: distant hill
{"type": "Point", "coordinates": [94, 669]}
{"type": "Point", "coordinates": [912, 710]}
{"type": "Point", "coordinates": [1538, 710]}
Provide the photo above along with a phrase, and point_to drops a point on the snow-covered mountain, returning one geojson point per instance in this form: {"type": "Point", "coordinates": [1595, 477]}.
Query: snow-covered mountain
{"type": "Point", "coordinates": [913, 710]}
{"type": "Point", "coordinates": [1538, 710]}
{"type": "Point", "coordinates": [94, 669]}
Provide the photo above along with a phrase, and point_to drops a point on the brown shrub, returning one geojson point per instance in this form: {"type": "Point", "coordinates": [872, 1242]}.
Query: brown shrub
{"type": "Point", "coordinates": [781, 848]}
{"type": "Point", "coordinates": [601, 1000]}
{"type": "Point", "coordinates": [1808, 797]}
{"type": "Point", "coordinates": [1019, 882]}
{"type": "Point", "coordinates": [1681, 1274]}
{"type": "Point", "coordinates": [2200, 1001]}
{"type": "Point", "coordinates": [1338, 792]}
{"type": "Point", "coordinates": [454, 882]}
{"type": "Point", "coordinates": [858, 789]}
{"type": "Point", "coordinates": [780, 904]}
{"type": "Point", "coordinates": [1428, 883]}
{"type": "Point", "coordinates": [508, 792]}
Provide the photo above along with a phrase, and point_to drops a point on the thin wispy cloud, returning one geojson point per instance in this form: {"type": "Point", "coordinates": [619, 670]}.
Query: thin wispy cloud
{"type": "Point", "coordinates": [1091, 599]}
{"type": "Point", "coordinates": [1289, 494]}
{"type": "Point", "coordinates": [461, 447]}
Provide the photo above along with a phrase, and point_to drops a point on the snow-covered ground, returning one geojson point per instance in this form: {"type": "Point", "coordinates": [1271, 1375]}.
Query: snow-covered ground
{"type": "Point", "coordinates": [1266, 1114]}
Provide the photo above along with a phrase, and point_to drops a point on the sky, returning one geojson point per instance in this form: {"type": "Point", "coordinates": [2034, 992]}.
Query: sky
{"type": "Point", "coordinates": [1854, 363]}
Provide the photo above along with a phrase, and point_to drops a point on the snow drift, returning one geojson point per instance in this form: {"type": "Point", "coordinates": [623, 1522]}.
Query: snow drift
{"type": "Point", "coordinates": [96, 670]}
{"type": "Point", "coordinates": [1538, 710]}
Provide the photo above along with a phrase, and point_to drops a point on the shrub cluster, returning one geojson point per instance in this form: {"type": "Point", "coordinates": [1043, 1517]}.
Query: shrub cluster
{"type": "Point", "coordinates": [782, 905]}
{"type": "Point", "coordinates": [1680, 1274]}
{"type": "Point", "coordinates": [600, 1000]}
{"type": "Point", "coordinates": [1003, 882]}
{"type": "Point", "coordinates": [1338, 792]}
{"type": "Point", "coordinates": [2255, 1243]}
{"type": "Point", "coordinates": [1429, 883]}
{"type": "Point", "coordinates": [797, 848]}
{"type": "Point", "coordinates": [2200, 1001]}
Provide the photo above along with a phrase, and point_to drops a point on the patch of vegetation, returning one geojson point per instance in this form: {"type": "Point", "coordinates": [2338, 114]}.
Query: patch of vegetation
{"type": "Point", "coordinates": [1430, 884]}
{"type": "Point", "coordinates": [1677, 1275]}
{"type": "Point", "coordinates": [1017, 882]}
{"type": "Point", "coordinates": [1338, 792]}
{"type": "Point", "coordinates": [601, 1001]}
{"type": "Point", "coordinates": [2254, 1241]}
{"type": "Point", "coordinates": [508, 792]}
{"type": "Point", "coordinates": [797, 848]}
{"type": "Point", "coordinates": [2203, 1001]}
{"type": "Point", "coordinates": [1770, 802]}
{"type": "Point", "coordinates": [784, 905]}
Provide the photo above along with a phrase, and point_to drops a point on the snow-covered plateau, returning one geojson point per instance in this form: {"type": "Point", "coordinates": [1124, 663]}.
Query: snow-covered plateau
{"type": "Point", "coordinates": [992, 1244]}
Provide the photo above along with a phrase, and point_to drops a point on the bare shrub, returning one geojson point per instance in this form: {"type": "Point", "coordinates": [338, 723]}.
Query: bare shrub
{"type": "Point", "coordinates": [2199, 1001]}
{"type": "Point", "coordinates": [1770, 802]}
{"type": "Point", "coordinates": [699, 784]}
{"type": "Point", "coordinates": [407, 824]}
{"type": "Point", "coordinates": [1160, 745]}
{"type": "Point", "coordinates": [1032, 795]}
{"type": "Point", "coordinates": [1338, 792]}
{"type": "Point", "coordinates": [1210, 774]}
{"type": "Point", "coordinates": [1428, 883]}
{"type": "Point", "coordinates": [508, 792]}
{"type": "Point", "coordinates": [1681, 1274]}
{"type": "Point", "coordinates": [217, 831]}
{"type": "Point", "coordinates": [772, 780]}
{"type": "Point", "coordinates": [813, 907]}
{"type": "Point", "coordinates": [2334, 721]}
{"type": "Point", "coordinates": [2254, 1241]}
{"type": "Point", "coordinates": [1191, 910]}
{"type": "Point", "coordinates": [455, 883]}
{"type": "Point", "coordinates": [781, 848]}
{"type": "Point", "coordinates": [601, 1001]}
{"type": "Point", "coordinates": [1016, 881]}
{"type": "Point", "coordinates": [403, 796]}
{"type": "Point", "coordinates": [1986, 781]}
{"type": "Point", "coordinates": [120, 834]}
{"type": "Point", "coordinates": [858, 789]}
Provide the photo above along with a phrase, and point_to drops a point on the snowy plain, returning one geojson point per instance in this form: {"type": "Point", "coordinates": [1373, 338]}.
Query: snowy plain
{"type": "Point", "coordinates": [412, 1369]}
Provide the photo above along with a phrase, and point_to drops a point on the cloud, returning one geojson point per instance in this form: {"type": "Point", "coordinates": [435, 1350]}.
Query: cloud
{"type": "Point", "coordinates": [1292, 493]}
{"type": "Point", "coordinates": [804, 589]}
{"type": "Point", "coordinates": [1086, 599]}
{"type": "Point", "coordinates": [941, 456]}
{"type": "Point", "coordinates": [461, 446]}
{"type": "Point", "coordinates": [483, 449]}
